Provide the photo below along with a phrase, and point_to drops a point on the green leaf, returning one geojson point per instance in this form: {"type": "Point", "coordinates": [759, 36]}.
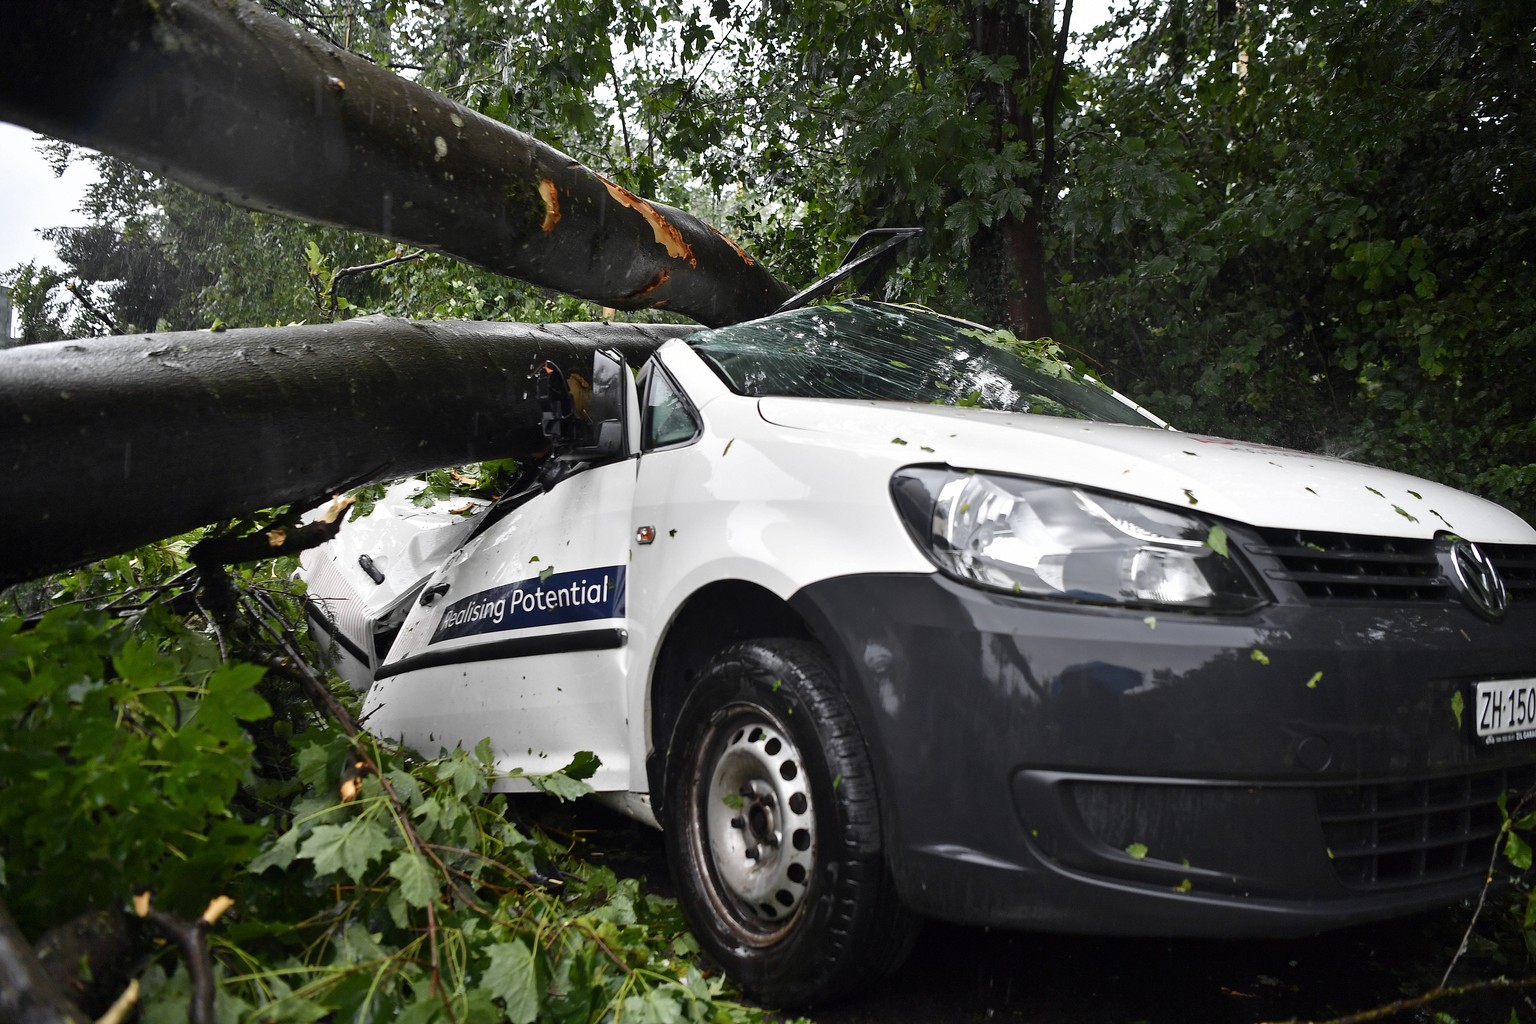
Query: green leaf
{"type": "Point", "coordinates": [583, 765]}
{"type": "Point", "coordinates": [348, 848]}
{"type": "Point", "coordinates": [1216, 540]}
{"type": "Point", "coordinates": [1137, 850]}
{"type": "Point", "coordinates": [464, 773]}
{"type": "Point", "coordinates": [1458, 705]}
{"type": "Point", "coordinates": [512, 977]}
{"type": "Point", "coordinates": [1517, 850]}
{"type": "Point", "coordinates": [1259, 656]}
{"type": "Point", "coordinates": [280, 854]}
{"type": "Point", "coordinates": [418, 882]}
{"type": "Point", "coordinates": [560, 785]}
{"type": "Point", "coordinates": [1317, 677]}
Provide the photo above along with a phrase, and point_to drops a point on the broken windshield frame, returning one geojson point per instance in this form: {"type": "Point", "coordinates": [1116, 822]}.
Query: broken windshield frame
{"type": "Point", "coordinates": [872, 351]}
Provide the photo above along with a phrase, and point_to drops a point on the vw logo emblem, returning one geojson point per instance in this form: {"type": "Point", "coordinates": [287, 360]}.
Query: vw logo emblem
{"type": "Point", "coordinates": [1473, 577]}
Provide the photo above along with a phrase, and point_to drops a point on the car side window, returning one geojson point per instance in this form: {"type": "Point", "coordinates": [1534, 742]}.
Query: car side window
{"type": "Point", "coordinates": [668, 418]}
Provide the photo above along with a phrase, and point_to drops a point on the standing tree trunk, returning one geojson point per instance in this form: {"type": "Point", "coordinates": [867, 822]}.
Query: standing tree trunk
{"type": "Point", "coordinates": [237, 103]}
{"type": "Point", "coordinates": [1024, 31]}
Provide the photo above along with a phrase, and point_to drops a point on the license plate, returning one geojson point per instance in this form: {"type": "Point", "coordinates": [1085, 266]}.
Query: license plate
{"type": "Point", "coordinates": [1505, 711]}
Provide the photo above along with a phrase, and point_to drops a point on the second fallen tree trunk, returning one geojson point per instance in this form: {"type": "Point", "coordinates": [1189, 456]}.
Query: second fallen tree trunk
{"type": "Point", "coordinates": [237, 103]}
{"type": "Point", "coordinates": [114, 442]}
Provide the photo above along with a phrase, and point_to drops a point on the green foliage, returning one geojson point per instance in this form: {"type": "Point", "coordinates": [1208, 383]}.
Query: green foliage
{"type": "Point", "coordinates": [37, 310]}
{"type": "Point", "coordinates": [121, 754]}
{"type": "Point", "coordinates": [132, 753]}
{"type": "Point", "coordinates": [1296, 223]}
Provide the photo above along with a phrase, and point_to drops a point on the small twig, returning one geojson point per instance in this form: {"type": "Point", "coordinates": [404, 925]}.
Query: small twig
{"type": "Point", "coordinates": [122, 1005]}
{"type": "Point", "coordinates": [90, 308]}
{"type": "Point", "coordinates": [366, 268]}
{"type": "Point", "coordinates": [290, 666]}
{"type": "Point", "coordinates": [1482, 901]}
{"type": "Point", "coordinates": [1482, 895]}
{"type": "Point", "coordinates": [1415, 1002]}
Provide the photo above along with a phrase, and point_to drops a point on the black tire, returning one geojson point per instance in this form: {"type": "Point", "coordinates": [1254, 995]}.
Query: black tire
{"type": "Point", "coordinates": [772, 829]}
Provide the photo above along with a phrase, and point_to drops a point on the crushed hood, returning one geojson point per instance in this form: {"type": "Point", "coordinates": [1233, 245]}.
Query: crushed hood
{"type": "Point", "coordinates": [1250, 483]}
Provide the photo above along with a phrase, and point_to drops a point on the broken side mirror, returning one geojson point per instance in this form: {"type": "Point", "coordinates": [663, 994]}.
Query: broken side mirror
{"type": "Point", "coordinates": [588, 419]}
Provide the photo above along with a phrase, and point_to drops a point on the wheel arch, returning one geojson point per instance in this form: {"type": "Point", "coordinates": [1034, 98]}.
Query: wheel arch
{"type": "Point", "coordinates": [715, 616]}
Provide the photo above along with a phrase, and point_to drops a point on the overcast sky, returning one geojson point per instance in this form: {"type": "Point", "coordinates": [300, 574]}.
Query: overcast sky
{"type": "Point", "coordinates": [32, 199]}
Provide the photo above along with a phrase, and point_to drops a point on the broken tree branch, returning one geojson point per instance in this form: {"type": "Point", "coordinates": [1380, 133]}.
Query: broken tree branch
{"type": "Point", "coordinates": [192, 937]}
{"type": "Point", "coordinates": [240, 104]}
{"type": "Point", "coordinates": [108, 443]}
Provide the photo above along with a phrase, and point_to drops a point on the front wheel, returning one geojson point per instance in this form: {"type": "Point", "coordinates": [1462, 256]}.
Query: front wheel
{"type": "Point", "coordinates": [773, 829]}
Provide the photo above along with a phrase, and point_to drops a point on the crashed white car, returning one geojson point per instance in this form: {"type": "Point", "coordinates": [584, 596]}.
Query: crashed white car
{"type": "Point", "coordinates": [880, 616]}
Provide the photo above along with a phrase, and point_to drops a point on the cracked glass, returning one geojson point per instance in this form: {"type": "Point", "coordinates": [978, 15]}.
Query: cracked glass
{"type": "Point", "coordinates": [866, 350]}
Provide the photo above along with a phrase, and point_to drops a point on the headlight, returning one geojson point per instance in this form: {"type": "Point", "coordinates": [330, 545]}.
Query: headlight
{"type": "Point", "coordinates": [1052, 540]}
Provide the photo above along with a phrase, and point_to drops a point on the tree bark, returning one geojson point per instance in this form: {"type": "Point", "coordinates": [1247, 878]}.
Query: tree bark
{"type": "Point", "coordinates": [1024, 32]}
{"type": "Point", "coordinates": [109, 443]}
{"type": "Point", "coordinates": [27, 994]}
{"type": "Point", "coordinates": [237, 103]}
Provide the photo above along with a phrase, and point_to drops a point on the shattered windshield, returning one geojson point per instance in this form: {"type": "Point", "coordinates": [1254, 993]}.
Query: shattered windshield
{"type": "Point", "coordinates": [899, 354]}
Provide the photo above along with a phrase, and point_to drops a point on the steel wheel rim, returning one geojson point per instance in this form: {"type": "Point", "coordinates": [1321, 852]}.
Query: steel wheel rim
{"type": "Point", "coordinates": [756, 828]}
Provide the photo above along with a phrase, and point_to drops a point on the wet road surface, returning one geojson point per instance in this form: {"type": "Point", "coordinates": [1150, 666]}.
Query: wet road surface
{"type": "Point", "coordinates": [959, 975]}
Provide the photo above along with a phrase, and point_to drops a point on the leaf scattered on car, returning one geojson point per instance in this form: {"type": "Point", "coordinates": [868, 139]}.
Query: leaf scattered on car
{"type": "Point", "coordinates": [1317, 677]}
{"type": "Point", "coordinates": [1405, 514]}
{"type": "Point", "coordinates": [1259, 656]}
{"type": "Point", "coordinates": [1151, 621]}
{"type": "Point", "coordinates": [897, 440]}
{"type": "Point", "coordinates": [727, 447]}
{"type": "Point", "coordinates": [546, 572]}
{"type": "Point", "coordinates": [1191, 496]}
{"type": "Point", "coordinates": [1216, 540]}
{"type": "Point", "coordinates": [1374, 491]}
{"type": "Point", "coordinates": [1137, 850]}
{"type": "Point", "coordinates": [1458, 705]}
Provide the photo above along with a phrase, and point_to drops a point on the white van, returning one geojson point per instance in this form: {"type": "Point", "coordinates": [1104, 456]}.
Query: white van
{"type": "Point", "coordinates": [880, 615]}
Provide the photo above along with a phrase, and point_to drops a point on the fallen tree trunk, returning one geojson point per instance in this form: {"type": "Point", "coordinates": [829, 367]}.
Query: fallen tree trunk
{"type": "Point", "coordinates": [237, 103]}
{"type": "Point", "coordinates": [109, 443]}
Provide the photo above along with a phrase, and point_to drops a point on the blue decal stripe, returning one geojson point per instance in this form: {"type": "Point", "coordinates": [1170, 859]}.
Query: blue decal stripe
{"type": "Point", "coordinates": [579, 596]}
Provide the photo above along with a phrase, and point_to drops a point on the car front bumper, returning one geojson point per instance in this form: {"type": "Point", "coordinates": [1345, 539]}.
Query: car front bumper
{"type": "Point", "coordinates": [1111, 770]}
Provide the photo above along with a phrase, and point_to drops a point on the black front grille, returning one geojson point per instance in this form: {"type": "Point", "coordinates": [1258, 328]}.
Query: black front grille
{"type": "Point", "coordinates": [1517, 564]}
{"type": "Point", "coordinates": [1393, 834]}
{"type": "Point", "coordinates": [1341, 566]}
